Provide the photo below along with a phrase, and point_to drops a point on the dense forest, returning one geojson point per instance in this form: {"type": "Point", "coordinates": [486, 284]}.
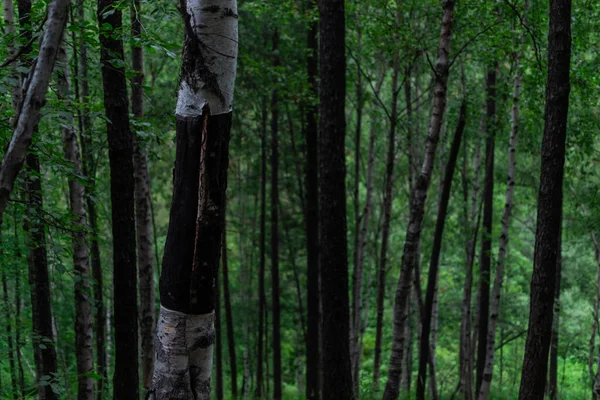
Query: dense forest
{"type": "Point", "coordinates": [299, 199]}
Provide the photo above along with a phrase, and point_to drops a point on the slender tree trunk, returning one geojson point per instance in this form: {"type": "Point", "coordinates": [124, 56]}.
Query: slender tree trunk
{"type": "Point", "coordinates": [432, 280]}
{"type": "Point", "coordinates": [229, 317]}
{"type": "Point", "coordinates": [88, 169]}
{"type": "Point", "coordinates": [333, 260]}
{"type": "Point", "coordinates": [417, 209]}
{"type": "Point", "coordinates": [275, 230]}
{"type": "Point", "coordinates": [486, 239]}
{"type": "Point", "coordinates": [471, 218]}
{"type": "Point", "coordinates": [262, 302]}
{"type": "Point", "coordinates": [312, 218]}
{"type": "Point", "coordinates": [359, 266]}
{"type": "Point", "coordinates": [9, 338]}
{"type": "Point", "coordinates": [219, 335]}
{"type": "Point", "coordinates": [596, 315]}
{"type": "Point", "coordinates": [543, 280]}
{"type": "Point", "coordinates": [83, 306]}
{"type": "Point", "coordinates": [553, 375]}
{"type": "Point", "coordinates": [34, 94]}
{"type": "Point", "coordinates": [385, 230]}
{"type": "Point", "coordinates": [193, 249]}
{"type": "Point", "coordinates": [143, 218]}
{"type": "Point", "coordinates": [120, 145]}
{"type": "Point", "coordinates": [504, 235]}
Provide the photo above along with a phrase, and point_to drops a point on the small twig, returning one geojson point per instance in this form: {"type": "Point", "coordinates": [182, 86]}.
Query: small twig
{"type": "Point", "coordinates": [524, 25]}
{"type": "Point", "coordinates": [471, 40]}
{"type": "Point", "coordinates": [22, 49]}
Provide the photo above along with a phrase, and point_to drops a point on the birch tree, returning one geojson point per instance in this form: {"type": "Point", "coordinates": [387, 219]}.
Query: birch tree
{"type": "Point", "coordinates": [185, 331]}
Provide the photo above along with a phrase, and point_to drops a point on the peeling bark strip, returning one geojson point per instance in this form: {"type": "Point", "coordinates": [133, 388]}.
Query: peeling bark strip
{"type": "Point", "coordinates": [417, 208]}
{"type": "Point", "coordinates": [34, 98]}
{"type": "Point", "coordinates": [549, 217]}
{"type": "Point", "coordinates": [184, 354]}
{"type": "Point", "coordinates": [209, 57]}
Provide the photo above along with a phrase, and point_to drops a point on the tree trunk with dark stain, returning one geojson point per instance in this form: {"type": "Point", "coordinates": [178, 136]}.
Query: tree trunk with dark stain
{"type": "Point", "coordinates": [120, 151]}
{"type": "Point", "coordinates": [333, 259]}
{"type": "Point", "coordinates": [432, 279]}
{"type": "Point", "coordinates": [543, 280]}
{"type": "Point", "coordinates": [417, 208]}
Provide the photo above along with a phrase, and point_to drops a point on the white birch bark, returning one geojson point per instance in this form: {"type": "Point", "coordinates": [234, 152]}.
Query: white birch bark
{"type": "Point", "coordinates": [83, 307]}
{"type": "Point", "coordinates": [486, 382]}
{"type": "Point", "coordinates": [35, 94]}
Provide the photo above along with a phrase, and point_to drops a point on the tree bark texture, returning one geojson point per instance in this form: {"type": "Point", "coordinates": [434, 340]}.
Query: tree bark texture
{"type": "Point", "coordinates": [312, 218]}
{"type": "Point", "coordinates": [262, 301]}
{"type": "Point", "coordinates": [595, 317]}
{"type": "Point", "coordinates": [218, 339]}
{"type": "Point", "coordinates": [34, 94]}
{"type": "Point", "coordinates": [229, 317]}
{"type": "Point", "coordinates": [9, 338]}
{"type": "Point", "coordinates": [553, 374]}
{"type": "Point", "coordinates": [486, 234]}
{"type": "Point", "coordinates": [185, 332]}
{"type": "Point", "coordinates": [83, 306]}
{"type": "Point", "coordinates": [417, 209]}
{"type": "Point", "coordinates": [143, 218]}
{"type": "Point", "coordinates": [543, 280]}
{"type": "Point", "coordinates": [486, 383]}
{"type": "Point", "coordinates": [333, 259]}
{"type": "Point", "coordinates": [432, 280]}
{"type": "Point", "coordinates": [120, 152]}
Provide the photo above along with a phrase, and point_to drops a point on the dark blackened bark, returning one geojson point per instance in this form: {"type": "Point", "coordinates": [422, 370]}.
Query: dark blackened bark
{"type": "Point", "coordinates": [553, 374]}
{"type": "Point", "coordinates": [432, 279]}
{"type": "Point", "coordinates": [417, 208]}
{"type": "Point", "coordinates": [262, 301]}
{"type": "Point", "coordinates": [120, 151]}
{"type": "Point", "coordinates": [333, 259]}
{"type": "Point", "coordinates": [486, 234]}
{"type": "Point", "coordinates": [275, 231]}
{"type": "Point", "coordinates": [312, 218]}
{"type": "Point", "coordinates": [39, 280]}
{"type": "Point", "coordinates": [385, 230]}
{"type": "Point", "coordinates": [143, 218]}
{"type": "Point", "coordinates": [543, 280]}
{"type": "Point", "coordinates": [229, 317]}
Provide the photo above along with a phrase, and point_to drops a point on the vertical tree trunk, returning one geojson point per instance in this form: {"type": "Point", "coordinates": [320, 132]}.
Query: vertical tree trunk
{"type": "Point", "coordinates": [43, 340]}
{"type": "Point", "coordinates": [34, 94]}
{"type": "Point", "coordinates": [488, 214]}
{"type": "Point", "coordinates": [275, 230]}
{"type": "Point", "coordinates": [229, 317]}
{"type": "Point", "coordinates": [543, 280]}
{"type": "Point", "coordinates": [83, 306]}
{"type": "Point", "coordinates": [553, 375]}
{"type": "Point", "coordinates": [432, 280]}
{"type": "Point", "coordinates": [88, 170]}
{"type": "Point", "coordinates": [120, 148]}
{"type": "Point", "coordinates": [417, 209]}
{"type": "Point", "coordinates": [219, 335]}
{"type": "Point", "coordinates": [185, 333]}
{"type": "Point", "coordinates": [9, 338]}
{"type": "Point", "coordinates": [385, 230]}
{"type": "Point", "coordinates": [503, 245]}
{"type": "Point", "coordinates": [262, 302]}
{"type": "Point", "coordinates": [312, 217]}
{"type": "Point", "coordinates": [595, 317]}
{"type": "Point", "coordinates": [471, 219]}
{"type": "Point", "coordinates": [333, 260]}
{"type": "Point", "coordinates": [143, 218]}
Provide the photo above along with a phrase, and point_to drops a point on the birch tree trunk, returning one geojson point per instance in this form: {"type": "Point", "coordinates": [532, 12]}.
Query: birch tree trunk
{"type": "Point", "coordinates": [486, 383]}
{"type": "Point", "coordinates": [185, 332]}
{"type": "Point", "coordinates": [543, 280]}
{"type": "Point", "coordinates": [432, 280]}
{"type": "Point", "coordinates": [120, 145]}
{"type": "Point", "coordinates": [333, 260]}
{"type": "Point", "coordinates": [417, 209]}
{"type": "Point", "coordinates": [83, 306]}
{"type": "Point", "coordinates": [34, 94]}
{"type": "Point", "coordinates": [143, 218]}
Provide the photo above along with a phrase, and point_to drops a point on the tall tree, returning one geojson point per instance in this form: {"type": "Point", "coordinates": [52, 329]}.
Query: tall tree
{"type": "Point", "coordinates": [83, 307]}
{"type": "Point", "coordinates": [185, 332]}
{"type": "Point", "coordinates": [312, 215]}
{"type": "Point", "coordinates": [550, 197]}
{"type": "Point", "coordinates": [417, 207]}
{"type": "Point", "coordinates": [553, 374]}
{"type": "Point", "coordinates": [333, 259]}
{"type": "Point", "coordinates": [143, 219]}
{"type": "Point", "coordinates": [120, 151]}
{"type": "Point", "coordinates": [262, 301]}
{"type": "Point", "coordinates": [432, 279]}
{"type": "Point", "coordinates": [229, 317]}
